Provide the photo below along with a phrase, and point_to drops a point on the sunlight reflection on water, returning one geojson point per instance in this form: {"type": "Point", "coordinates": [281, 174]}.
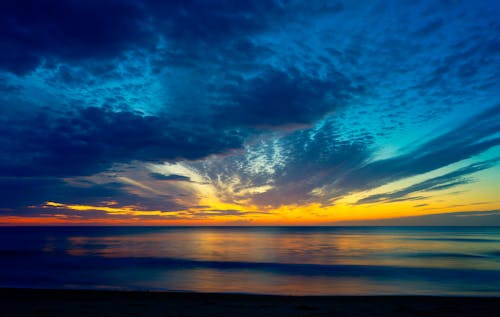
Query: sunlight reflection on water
{"type": "Point", "coordinates": [256, 260]}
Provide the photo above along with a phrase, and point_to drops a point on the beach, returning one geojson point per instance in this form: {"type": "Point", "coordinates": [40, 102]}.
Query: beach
{"type": "Point", "coordinates": [39, 302]}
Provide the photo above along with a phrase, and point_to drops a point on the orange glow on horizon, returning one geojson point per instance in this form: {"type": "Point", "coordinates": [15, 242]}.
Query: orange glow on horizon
{"type": "Point", "coordinates": [289, 215]}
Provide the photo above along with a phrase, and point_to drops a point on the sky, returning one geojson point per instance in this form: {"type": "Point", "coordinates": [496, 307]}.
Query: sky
{"type": "Point", "coordinates": [249, 112]}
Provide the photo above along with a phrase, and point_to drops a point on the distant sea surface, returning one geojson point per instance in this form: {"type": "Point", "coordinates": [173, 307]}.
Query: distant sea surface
{"type": "Point", "coordinates": [264, 260]}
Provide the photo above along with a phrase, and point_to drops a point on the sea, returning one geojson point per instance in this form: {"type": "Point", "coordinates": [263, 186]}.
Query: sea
{"type": "Point", "coordinates": [460, 261]}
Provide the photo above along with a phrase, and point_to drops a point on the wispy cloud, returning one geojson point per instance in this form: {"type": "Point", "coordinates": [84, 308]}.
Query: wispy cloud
{"type": "Point", "coordinates": [446, 181]}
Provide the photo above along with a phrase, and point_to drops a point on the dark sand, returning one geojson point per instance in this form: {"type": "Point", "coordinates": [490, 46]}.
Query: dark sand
{"type": "Point", "coordinates": [22, 302]}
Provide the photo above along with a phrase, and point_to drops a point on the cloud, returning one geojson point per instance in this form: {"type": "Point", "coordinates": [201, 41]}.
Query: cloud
{"type": "Point", "coordinates": [90, 140]}
{"type": "Point", "coordinates": [35, 32]}
{"type": "Point", "coordinates": [197, 214]}
{"type": "Point", "coordinates": [473, 137]}
{"type": "Point", "coordinates": [469, 218]}
{"type": "Point", "coordinates": [274, 102]}
{"type": "Point", "coordinates": [190, 22]}
{"type": "Point", "coordinates": [33, 192]}
{"type": "Point", "coordinates": [22, 192]}
{"type": "Point", "coordinates": [69, 40]}
{"type": "Point", "coordinates": [77, 32]}
{"type": "Point", "coordinates": [316, 165]}
{"type": "Point", "coordinates": [287, 169]}
{"type": "Point", "coordinates": [446, 181]}
{"type": "Point", "coordinates": [171, 177]}
{"type": "Point", "coordinates": [277, 97]}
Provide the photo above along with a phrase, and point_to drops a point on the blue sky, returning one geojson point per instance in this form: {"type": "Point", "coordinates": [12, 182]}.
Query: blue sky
{"type": "Point", "coordinates": [251, 112]}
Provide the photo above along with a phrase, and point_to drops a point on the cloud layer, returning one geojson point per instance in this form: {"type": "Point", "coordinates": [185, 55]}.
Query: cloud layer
{"type": "Point", "coordinates": [161, 105]}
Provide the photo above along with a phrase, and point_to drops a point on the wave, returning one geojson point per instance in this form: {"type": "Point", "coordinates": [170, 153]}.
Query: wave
{"type": "Point", "coordinates": [63, 262]}
{"type": "Point", "coordinates": [479, 240]}
{"type": "Point", "coordinates": [451, 255]}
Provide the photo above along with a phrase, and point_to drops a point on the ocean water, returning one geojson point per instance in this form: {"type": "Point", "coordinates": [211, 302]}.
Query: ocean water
{"type": "Point", "coordinates": [265, 260]}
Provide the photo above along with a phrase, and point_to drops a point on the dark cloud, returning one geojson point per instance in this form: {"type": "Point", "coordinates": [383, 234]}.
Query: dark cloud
{"type": "Point", "coordinates": [33, 31]}
{"type": "Point", "coordinates": [193, 22]}
{"type": "Point", "coordinates": [21, 192]}
{"type": "Point", "coordinates": [171, 177]}
{"type": "Point", "coordinates": [18, 193]}
{"type": "Point", "coordinates": [277, 97]}
{"type": "Point", "coordinates": [80, 31]}
{"type": "Point", "coordinates": [90, 140]}
{"type": "Point", "coordinates": [446, 181]}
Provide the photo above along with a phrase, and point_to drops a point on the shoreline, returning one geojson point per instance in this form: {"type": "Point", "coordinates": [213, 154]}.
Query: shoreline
{"type": "Point", "coordinates": [62, 302]}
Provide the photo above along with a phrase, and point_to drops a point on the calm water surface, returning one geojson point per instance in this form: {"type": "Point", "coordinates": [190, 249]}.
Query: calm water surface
{"type": "Point", "coordinates": [269, 260]}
